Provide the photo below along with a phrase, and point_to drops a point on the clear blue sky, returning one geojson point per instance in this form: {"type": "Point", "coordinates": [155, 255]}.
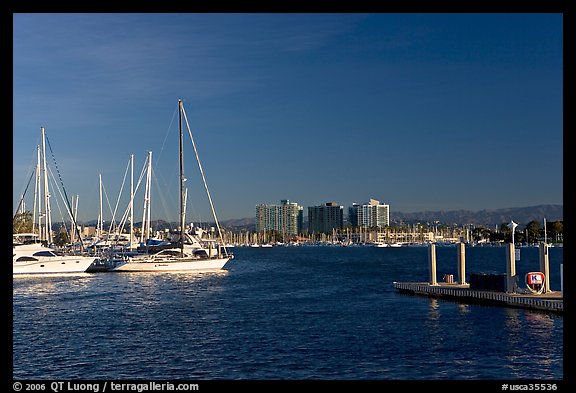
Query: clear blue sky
{"type": "Point", "coordinates": [420, 111]}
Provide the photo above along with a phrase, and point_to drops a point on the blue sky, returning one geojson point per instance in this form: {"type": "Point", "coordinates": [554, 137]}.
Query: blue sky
{"type": "Point", "coordinates": [420, 111]}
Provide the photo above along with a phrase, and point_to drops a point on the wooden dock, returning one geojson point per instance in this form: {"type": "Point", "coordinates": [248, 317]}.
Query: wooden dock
{"type": "Point", "coordinates": [551, 301]}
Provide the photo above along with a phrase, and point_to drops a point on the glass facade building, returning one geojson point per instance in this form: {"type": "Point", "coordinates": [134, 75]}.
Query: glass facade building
{"type": "Point", "coordinates": [286, 218]}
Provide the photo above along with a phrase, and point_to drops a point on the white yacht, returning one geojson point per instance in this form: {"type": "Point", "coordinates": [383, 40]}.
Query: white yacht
{"type": "Point", "coordinates": [34, 258]}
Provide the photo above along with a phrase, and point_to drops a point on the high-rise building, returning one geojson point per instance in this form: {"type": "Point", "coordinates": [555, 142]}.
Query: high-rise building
{"type": "Point", "coordinates": [286, 218]}
{"type": "Point", "coordinates": [368, 215]}
{"type": "Point", "coordinates": [325, 218]}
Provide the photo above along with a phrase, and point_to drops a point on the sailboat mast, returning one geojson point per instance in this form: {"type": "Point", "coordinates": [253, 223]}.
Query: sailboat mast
{"type": "Point", "coordinates": [37, 204]}
{"type": "Point", "coordinates": [131, 202]}
{"type": "Point", "coordinates": [100, 218]}
{"type": "Point", "coordinates": [48, 220]}
{"type": "Point", "coordinates": [182, 223]}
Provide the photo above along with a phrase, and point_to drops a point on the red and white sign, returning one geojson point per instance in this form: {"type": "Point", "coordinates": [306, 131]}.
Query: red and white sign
{"type": "Point", "coordinates": [535, 278]}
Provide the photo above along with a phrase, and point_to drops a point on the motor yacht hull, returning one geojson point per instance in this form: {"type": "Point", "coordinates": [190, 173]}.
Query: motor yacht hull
{"type": "Point", "coordinates": [64, 265]}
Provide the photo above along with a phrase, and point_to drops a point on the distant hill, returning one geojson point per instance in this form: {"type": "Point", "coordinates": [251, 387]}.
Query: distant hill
{"type": "Point", "coordinates": [520, 215]}
{"type": "Point", "coordinates": [237, 224]}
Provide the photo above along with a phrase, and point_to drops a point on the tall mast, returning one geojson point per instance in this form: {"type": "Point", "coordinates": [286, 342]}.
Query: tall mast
{"type": "Point", "coordinates": [72, 232]}
{"type": "Point", "coordinates": [37, 205]}
{"type": "Point", "coordinates": [100, 218]}
{"type": "Point", "coordinates": [74, 220]}
{"type": "Point", "coordinates": [149, 199]}
{"type": "Point", "coordinates": [131, 202]}
{"type": "Point", "coordinates": [48, 221]}
{"type": "Point", "coordinates": [182, 223]}
{"type": "Point", "coordinates": [146, 212]}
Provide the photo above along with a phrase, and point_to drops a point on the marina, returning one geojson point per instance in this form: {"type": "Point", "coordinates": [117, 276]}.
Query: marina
{"type": "Point", "coordinates": [188, 250]}
{"type": "Point", "coordinates": [389, 188]}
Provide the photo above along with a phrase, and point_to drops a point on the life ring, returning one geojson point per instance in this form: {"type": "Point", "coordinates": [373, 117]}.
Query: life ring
{"type": "Point", "coordinates": [535, 282]}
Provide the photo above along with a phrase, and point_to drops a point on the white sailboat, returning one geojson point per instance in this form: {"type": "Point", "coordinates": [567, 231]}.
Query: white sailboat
{"type": "Point", "coordinates": [184, 257]}
{"type": "Point", "coordinates": [29, 255]}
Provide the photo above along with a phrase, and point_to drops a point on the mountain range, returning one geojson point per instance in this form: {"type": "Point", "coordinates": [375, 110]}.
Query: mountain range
{"type": "Point", "coordinates": [520, 215]}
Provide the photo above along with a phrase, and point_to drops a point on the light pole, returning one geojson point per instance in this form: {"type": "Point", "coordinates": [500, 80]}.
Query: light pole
{"type": "Point", "coordinates": [511, 262]}
{"type": "Point", "coordinates": [512, 226]}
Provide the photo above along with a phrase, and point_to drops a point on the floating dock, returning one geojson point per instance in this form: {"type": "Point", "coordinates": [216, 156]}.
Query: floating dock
{"type": "Point", "coordinates": [551, 301]}
{"type": "Point", "coordinates": [509, 294]}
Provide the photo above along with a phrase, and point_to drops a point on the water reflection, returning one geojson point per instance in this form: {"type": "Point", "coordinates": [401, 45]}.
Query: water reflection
{"type": "Point", "coordinates": [463, 309]}
{"type": "Point", "coordinates": [434, 309]}
{"type": "Point", "coordinates": [159, 278]}
{"type": "Point", "coordinates": [30, 285]}
{"type": "Point", "coordinates": [542, 324]}
{"type": "Point", "coordinates": [531, 340]}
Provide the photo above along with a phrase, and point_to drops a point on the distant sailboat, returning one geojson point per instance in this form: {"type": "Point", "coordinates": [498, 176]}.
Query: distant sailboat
{"type": "Point", "coordinates": [380, 244]}
{"type": "Point", "coordinates": [189, 254]}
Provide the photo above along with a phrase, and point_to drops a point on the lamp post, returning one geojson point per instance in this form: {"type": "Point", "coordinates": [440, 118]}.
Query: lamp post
{"type": "Point", "coordinates": [512, 226]}
{"type": "Point", "coordinates": [511, 262]}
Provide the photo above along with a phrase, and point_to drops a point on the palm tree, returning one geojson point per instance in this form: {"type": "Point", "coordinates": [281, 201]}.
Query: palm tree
{"type": "Point", "coordinates": [22, 222]}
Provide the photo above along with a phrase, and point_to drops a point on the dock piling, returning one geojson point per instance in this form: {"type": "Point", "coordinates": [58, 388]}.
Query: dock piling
{"type": "Point", "coordinates": [510, 268]}
{"type": "Point", "coordinates": [461, 247]}
{"type": "Point", "coordinates": [432, 263]}
{"type": "Point", "coordinates": [545, 266]}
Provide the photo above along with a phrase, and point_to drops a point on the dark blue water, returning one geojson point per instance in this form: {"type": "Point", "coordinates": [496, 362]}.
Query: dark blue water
{"type": "Point", "coordinates": [284, 313]}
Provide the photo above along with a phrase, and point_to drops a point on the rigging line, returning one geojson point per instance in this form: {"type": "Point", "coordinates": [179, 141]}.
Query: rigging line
{"type": "Point", "coordinates": [162, 181]}
{"type": "Point", "coordinates": [111, 225]}
{"type": "Point", "coordinates": [120, 192]}
{"type": "Point", "coordinates": [32, 166]}
{"type": "Point", "coordinates": [22, 199]}
{"type": "Point", "coordinates": [66, 196]}
{"type": "Point", "coordinates": [125, 216]}
{"type": "Point", "coordinates": [204, 180]}
{"type": "Point", "coordinates": [113, 220]}
{"type": "Point", "coordinates": [56, 199]}
{"type": "Point", "coordinates": [162, 198]}
{"type": "Point", "coordinates": [157, 160]}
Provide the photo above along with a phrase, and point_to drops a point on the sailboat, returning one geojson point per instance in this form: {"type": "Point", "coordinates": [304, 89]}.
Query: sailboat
{"type": "Point", "coordinates": [29, 254]}
{"type": "Point", "coordinates": [188, 254]}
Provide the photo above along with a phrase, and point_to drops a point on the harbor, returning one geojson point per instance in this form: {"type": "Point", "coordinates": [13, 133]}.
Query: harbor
{"type": "Point", "coordinates": [498, 290]}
